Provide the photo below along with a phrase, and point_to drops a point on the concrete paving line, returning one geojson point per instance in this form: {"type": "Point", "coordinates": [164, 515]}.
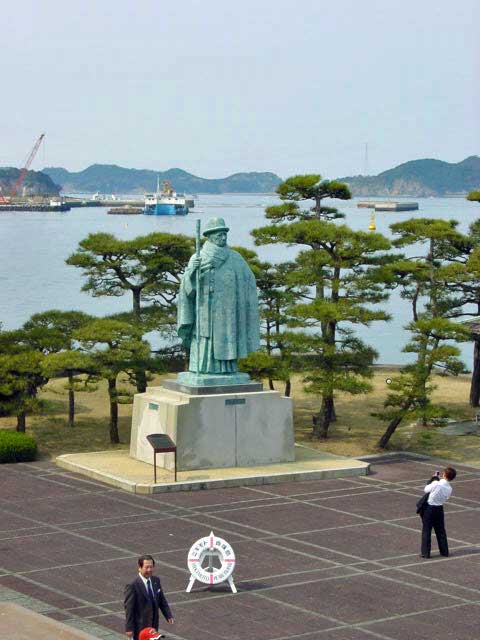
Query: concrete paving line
{"type": "Point", "coordinates": [422, 588]}
{"type": "Point", "coordinates": [415, 555]}
{"type": "Point", "coordinates": [295, 607]}
{"type": "Point", "coordinates": [305, 636]}
{"type": "Point", "coordinates": [401, 616]}
{"type": "Point", "coordinates": [432, 579]}
{"type": "Point", "coordinates": [311, 556]}
{"type": "Point", "coordinates": [379, 561]}
{"type": "Point", "coordinates": [131, 556]}
{"type": "Point", "coordinates": [257, 592]}
{"type": "Point", "coordinates": [32, 535]}
{"type": "Point", "coordinates": [57, 471]}
{"type": "Point", "coordinates": [475, 503]}
{"type": "Point", "coordinates": [14, 501]}
{"type": "Point", "coordinates": [58, 592]}
{"type": "Point", "coordinates": [89, 524]}
{"type": "Point", "coordinates": [56, 482]}
{"type": "Point", "coordinates": [404, 491]}
{"type": "Point", "coordinates": [261, 592]}
{"type": "Point", "coordinates": [344, 495]}
{"type": "Point", "coordinates": [84, 602]}
{"type": "Point", "coordinates": [184, 518]}
{"type": "Point", "coordinates": [308, 493]}
{"type": "Point", "coordinates": [360, 625]}
{"type": "Point", "coordinates": [283, 575]}
{"type": "Point", "coordinates": [269, 493]}
{"type": "Point", "coordinates": [268, 534]}
{"type": "Point", "coordinates": [226, 504]}
{"type": "Point", "coordinates": [247, 508]}
{"type": "Point", "coordinates": [274, 535]}
{"type": "Point", "coordinates": [287, 501]}
{"type": "Point", "coordinates": [69, 524]}
{"type": "Point", "coordinates": [340, 553]}
{"type": "Point", "coordinates": [374, 634]}
{"type": "Point", "coordinates": [98, 542]}
{"type": "Point", "coordinates": [373, 520]}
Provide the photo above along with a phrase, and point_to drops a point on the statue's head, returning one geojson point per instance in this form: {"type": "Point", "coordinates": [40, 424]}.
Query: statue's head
{"type": "Point", "coordinates": [216, 231]}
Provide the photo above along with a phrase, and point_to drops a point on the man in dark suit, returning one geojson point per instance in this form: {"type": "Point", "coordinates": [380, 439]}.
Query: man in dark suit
{"type": "Point", "coordinates": [143, 598]}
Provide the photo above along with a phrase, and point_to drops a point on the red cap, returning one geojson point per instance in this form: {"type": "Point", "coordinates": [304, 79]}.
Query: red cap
{"type": "Point", "coordinates": [149, 633]}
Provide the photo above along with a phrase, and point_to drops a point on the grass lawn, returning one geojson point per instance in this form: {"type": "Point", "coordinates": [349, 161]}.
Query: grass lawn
{"type": "Point", "coordinates": [355, 433]}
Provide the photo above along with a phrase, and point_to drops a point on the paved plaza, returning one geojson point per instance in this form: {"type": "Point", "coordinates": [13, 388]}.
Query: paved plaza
{"type": "Point", "coordinates": [320, 560]}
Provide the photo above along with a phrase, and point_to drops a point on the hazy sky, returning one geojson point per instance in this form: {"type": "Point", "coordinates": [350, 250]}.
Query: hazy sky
{"type": "Point", "coordinates": [216, 86]}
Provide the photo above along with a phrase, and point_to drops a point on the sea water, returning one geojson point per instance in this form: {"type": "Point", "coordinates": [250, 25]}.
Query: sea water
{"type": "Point", "coordinates": [35, 245]}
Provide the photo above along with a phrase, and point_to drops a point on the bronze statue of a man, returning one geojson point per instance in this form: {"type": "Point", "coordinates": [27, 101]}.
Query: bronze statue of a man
{"type": "Point", "coordinates": [228, 306]}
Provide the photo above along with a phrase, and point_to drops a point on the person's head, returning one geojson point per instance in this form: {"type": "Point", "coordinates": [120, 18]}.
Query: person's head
{"type": "Point", "coordinates": [216, 231]}
{"type": "Point", "coordinates": [219, 238]}
{"type": "Point", "coordinates": [145, 566]}
{"type": "Point", "coordinates": [149, 633]}
{"type": "Point", "coordinates": [449, 474]}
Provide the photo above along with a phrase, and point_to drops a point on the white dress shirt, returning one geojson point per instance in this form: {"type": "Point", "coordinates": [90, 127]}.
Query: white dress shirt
{"type": "Point", "coordinates": [440, 491]}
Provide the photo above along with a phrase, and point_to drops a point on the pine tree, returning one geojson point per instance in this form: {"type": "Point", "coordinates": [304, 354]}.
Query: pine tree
{"type": "Point", "coordinates": [114, 347]}
{"type": "Point", "coordinates": [342, 271]}
{"type": "Point", "coordinates": [149, 267]}
{"type": "Point", "coordinates": [422, 279]}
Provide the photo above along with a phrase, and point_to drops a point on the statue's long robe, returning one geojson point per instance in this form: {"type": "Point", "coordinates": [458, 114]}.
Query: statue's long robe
{"type": "Point", "coordinates": [229, 320]}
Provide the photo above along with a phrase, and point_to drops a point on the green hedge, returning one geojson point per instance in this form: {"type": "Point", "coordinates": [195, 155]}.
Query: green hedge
{"type": "Point", "coordinates": [17, 447]}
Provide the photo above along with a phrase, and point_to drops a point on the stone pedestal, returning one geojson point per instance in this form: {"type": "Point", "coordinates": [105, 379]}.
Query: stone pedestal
{"type": "Point", "coordinates": [211, 431]}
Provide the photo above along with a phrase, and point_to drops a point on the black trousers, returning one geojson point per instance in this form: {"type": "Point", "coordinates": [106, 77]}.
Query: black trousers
{"type": "Point", "coordinates": [433, 518]}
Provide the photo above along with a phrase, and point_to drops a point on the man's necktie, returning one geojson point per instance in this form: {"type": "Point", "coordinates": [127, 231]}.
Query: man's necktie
{"type": "Point", "coordinates": [150, 592]}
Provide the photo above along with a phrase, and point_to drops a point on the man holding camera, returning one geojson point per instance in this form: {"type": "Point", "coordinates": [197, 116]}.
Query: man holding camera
{"type": "Point", "coordinates": [439, 490]}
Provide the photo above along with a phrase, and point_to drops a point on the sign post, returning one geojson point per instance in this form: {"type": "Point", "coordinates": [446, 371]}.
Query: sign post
{"type": "Point", "coordinates": [161, 443]}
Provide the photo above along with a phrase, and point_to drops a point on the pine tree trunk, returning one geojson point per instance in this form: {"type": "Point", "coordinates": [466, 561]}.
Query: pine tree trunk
{"type": "Point", "coordinates": [382, 443]}
{"type": "Point", "coordinates": [141, 377]}
{"type": "Point", "coordinates": [322, 421]}
{"type": "Point", "coordinates": [288, 388]}
{"type": "Point", "coordinates": [326, 413]}
{"type": "Point", "coordinates": [112, 392]}
{"type": "Point", "coordinates": [270, 384]}
{"type": "Point", "coordinates": [136, 302]}
{"type": "Point", "coordinates": [21, 422]}
{"type": "Point", "coordinates": [71, 401]}
{"type": "Point", "coordinates": [475, 383]}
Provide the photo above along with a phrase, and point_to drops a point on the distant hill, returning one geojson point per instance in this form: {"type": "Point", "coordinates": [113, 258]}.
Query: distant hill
{"type": "Point", "coordinates": [110, 178]}
{"type": "Point", "coordinates": [35, 183]}
{"type": "Point", "coordinates": [420, 178]}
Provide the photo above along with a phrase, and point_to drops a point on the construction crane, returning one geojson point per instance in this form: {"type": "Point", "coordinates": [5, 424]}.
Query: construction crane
{"type": "Point", "coordinates": [23, 172]}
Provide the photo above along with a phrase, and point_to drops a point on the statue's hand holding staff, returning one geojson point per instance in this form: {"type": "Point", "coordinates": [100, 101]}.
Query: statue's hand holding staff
{"type": "Point", "coordinates": [204, 265]}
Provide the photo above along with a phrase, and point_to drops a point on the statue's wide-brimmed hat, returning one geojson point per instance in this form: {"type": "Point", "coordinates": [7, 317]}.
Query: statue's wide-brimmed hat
{"type": "Point", "coordinates": [213, 225]}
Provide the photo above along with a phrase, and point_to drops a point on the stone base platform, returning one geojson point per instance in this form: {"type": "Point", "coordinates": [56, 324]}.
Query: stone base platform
{"type": "Point", "coordinates": [118, 469]}
{"type": "Point", "coordinates": [231, 429]}
{"type": "Point", "coordinates": [19, 623]}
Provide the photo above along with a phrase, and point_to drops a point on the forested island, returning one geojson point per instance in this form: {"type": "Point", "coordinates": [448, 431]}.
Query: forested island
{"type": "Point", "coordinates": [110, 178]}
{"type": "Point", "coordinates": [35, 183]}
{"type": "Point", "coordinates": [420, 178]}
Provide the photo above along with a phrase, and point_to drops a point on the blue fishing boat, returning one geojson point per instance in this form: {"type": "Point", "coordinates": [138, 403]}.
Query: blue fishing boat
{"type": "Point", "coordinates": [167, 202]}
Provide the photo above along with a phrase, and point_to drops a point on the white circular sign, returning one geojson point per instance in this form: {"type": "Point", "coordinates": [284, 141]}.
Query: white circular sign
{"type": "Point", "coordinates": [208, 549]}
